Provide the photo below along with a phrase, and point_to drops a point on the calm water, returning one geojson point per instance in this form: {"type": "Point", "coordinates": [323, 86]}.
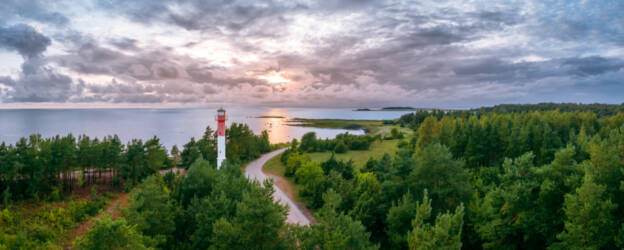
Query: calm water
{"type": "Point", "coordinates": [172, 126]}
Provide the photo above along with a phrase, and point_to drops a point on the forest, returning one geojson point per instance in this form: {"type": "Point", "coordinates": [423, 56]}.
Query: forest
{"type": "Point", "coordinates": [53, 171]}
{"type": "Point", "coordinates": [483, 180]}
{"type": "Point", "coordinates": [529, 179]}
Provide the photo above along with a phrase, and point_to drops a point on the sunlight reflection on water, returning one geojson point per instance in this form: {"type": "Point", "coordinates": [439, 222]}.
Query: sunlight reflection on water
{"type": "Point", "coordinates": [172, 126]}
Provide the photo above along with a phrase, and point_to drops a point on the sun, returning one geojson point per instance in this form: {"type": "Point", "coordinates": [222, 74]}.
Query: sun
{"type": "Point", "coordinates": [274, 77]}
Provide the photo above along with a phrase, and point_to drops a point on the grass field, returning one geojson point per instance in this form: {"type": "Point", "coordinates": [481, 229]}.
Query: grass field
{"type": "Point", "coordinates": [377, 149]}
{"type": "Point", "coordinates": [370, 126]}
{"type": "Point", "coordinates": [359, 157]}
{"type": "Point", "coordinates": [275, 167]}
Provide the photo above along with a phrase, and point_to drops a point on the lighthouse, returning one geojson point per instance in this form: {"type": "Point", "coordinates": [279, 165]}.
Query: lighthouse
{"type": "Point", "coordinates": [220, 137]}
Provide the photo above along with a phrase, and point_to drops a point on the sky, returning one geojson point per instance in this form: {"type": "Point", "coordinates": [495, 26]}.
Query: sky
{"type": "Point", "coordinates": [351, 53]}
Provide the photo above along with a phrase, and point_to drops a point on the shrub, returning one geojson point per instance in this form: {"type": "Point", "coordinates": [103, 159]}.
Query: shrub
{"type": "Point", "coordinates": [396, 134]}
{"type": "Point", "coordinates": [361, 143]}
{"type": "Point", "coordinates": [308, 142]}
{"type": "Point", "coordinates": [340, 147]}
{"type": "Point", "coordinates": [109, 234]}
{"type": "Point", "coordinates": [41, 233]}
{"type": "Point", "coordinates": [6, 197]}
{"type": "Point", "coordinates": [294, 162]}
{"type": "Point", "coordinates": [55, 195]}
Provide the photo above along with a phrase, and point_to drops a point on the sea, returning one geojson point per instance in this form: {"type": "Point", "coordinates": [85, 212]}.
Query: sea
{"type": "Point", "coordinates": [173, 126]}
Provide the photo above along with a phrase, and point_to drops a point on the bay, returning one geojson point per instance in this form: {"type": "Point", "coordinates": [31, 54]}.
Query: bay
{"type": "Point", "coordinates": [171, 125]}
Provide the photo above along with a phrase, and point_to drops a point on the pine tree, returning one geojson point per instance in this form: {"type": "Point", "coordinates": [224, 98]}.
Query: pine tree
{"type": "Point", "coordinates": [444, 234]}
{"type": "Point", "coordinates": [589, 221]}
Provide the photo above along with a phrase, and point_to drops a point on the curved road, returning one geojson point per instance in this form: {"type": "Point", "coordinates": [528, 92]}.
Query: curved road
{"type": "Point", "coordinates": [254, 171]}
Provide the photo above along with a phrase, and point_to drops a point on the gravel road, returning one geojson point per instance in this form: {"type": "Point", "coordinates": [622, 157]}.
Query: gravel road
{"type": "Point", "coordinates": [254, 171]}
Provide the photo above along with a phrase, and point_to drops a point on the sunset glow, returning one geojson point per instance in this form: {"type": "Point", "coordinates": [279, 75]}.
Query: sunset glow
{"type": "Point", "coordinates": [274, 78]}
{"type": "Point", "coordinates": [312, 53]}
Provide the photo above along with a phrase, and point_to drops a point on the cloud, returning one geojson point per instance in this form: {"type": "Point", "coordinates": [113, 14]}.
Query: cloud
{"type": "Point", "coordinates": [37, 81]}
{"type": "Point", "coordinates": [33, 10]}
{"type": "Point", "coordinates": [217, 16]}
{"type": "Point", "coordinates": [331, 53]}
{"type": "Point", "coordinates": [124, 43]}
{"type": "Point", "coordinates": [24, 39]}
{"type": "Point", "coordinates": [40, 84]}
{"type": "Point", "coordinates": [594, 65]}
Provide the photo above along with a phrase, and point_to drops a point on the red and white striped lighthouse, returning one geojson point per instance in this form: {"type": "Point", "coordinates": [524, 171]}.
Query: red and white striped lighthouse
{"type": "Point", "coordinates": [220, 137]}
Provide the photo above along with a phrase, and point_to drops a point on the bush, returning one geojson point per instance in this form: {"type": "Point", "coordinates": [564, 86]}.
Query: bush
{"type": "Point", "coordinates": [116, 181]}
{"type": "Point", "coordinates": [308, 142]}
{"type": "Point", "coordinates": [109, 234]}
{"type": "Point", "coordinates": [152, 210]}
{"type": "Point", "coordinates": [6, 197]}
{"type": "Point", "coordinates": [41, 233]}
{"type": "Point", "coordinates": [396, 134]}
{"type": "Point", "coordinates": [340, 148]}
{"type": "Point", "coordinates": [81, 210]}
{"type": "Point", "coordinates": [293, 163]}
{"type": "Point", "coordinates": [55, 195]}
{"type": "Point", "coordinates": [361, 143]}
{"type": "Point", "coordinates": [313, 181]}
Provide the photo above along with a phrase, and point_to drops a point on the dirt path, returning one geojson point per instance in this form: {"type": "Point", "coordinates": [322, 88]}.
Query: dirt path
{"type": "Point", "coordinates": [254, 171]}
{"type": "Point", "coordinates": [122, 200]}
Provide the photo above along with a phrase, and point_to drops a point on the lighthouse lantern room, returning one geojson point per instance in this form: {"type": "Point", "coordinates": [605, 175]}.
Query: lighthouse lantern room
{"type": "Point", "coordinates": [220, 137]}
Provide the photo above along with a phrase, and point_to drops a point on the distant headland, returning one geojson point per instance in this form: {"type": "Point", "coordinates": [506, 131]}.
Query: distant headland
{"type": "Point", "coordinates": [388, 109]}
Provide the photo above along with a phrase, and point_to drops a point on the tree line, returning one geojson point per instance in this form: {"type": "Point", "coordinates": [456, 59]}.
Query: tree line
{"type": "Point", "coordinates": [601, 110]}
{"type": "Point", "coordinates": [35, 166]}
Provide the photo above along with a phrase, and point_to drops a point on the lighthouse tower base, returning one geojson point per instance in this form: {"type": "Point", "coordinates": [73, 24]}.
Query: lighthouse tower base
{"type": "Point", "coordinates": [221, 151]}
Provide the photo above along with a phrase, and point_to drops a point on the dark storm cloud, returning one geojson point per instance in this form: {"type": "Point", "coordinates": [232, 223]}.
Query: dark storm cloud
{"type": "Point", "coordinates": [24, 39]}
